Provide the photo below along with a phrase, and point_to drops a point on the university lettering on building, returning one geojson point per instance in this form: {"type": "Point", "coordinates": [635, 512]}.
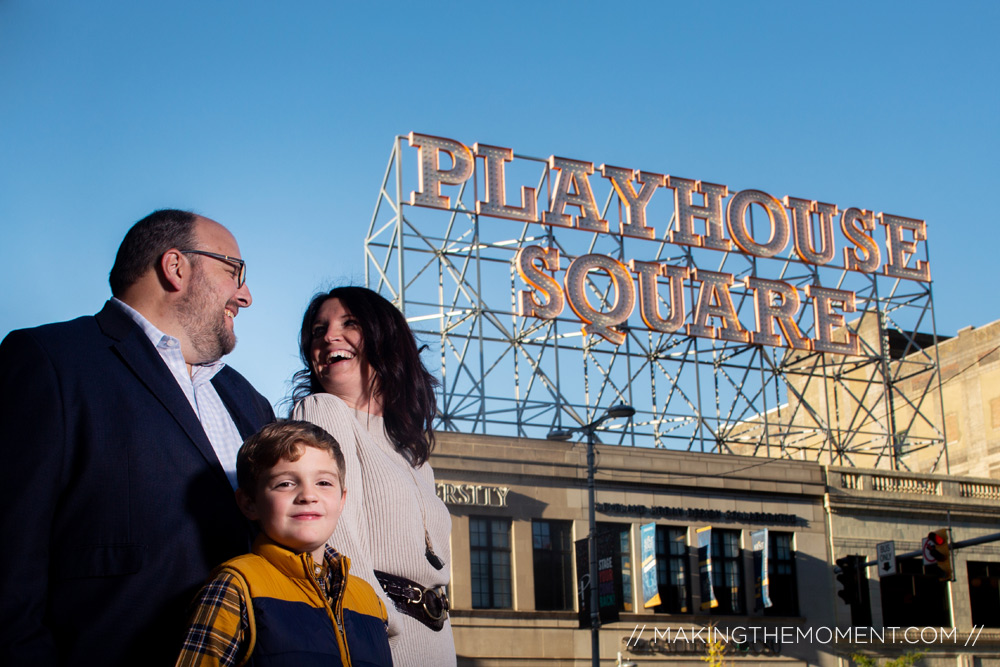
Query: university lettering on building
{"type": "Point", "coordinates": [719, 222]}
{"type": "Point", "coordinates": [480, 495]}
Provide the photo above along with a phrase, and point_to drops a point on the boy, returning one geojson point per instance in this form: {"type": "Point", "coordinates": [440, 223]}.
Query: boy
{"type": "Point", "coordinates": [291, 601]}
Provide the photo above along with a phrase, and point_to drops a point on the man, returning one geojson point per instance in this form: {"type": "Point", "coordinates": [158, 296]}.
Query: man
{"type": "Point", "coordinates": [119, 440]}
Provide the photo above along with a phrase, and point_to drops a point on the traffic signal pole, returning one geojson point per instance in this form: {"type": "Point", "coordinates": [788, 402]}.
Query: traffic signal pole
{"type": "Point", "coordinates": [955, 546]}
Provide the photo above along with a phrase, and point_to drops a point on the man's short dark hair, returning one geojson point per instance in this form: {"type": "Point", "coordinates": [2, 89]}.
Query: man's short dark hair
{"type": "Point", "coordinates": [283, 440]}
{"type": "Point", "coordinates": [146, 242]}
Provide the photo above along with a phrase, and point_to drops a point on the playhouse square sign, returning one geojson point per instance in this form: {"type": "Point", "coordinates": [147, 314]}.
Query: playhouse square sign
{"type": "Point", "coordinates": [703, 218]}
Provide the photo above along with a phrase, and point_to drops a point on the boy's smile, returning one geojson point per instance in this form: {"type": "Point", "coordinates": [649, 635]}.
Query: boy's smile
{"type": "Point", "coordinates": [298, 502]}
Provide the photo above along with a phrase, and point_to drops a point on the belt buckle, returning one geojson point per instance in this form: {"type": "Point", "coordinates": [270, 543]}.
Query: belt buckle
{"type": "Point", "coordinates": [417, 597]}
{"type": "Point", "coordinates": [440, 604]}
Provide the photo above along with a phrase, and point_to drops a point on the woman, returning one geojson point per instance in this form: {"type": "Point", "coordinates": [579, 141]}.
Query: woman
{"type": "Point", "coordinates": [365, 384]}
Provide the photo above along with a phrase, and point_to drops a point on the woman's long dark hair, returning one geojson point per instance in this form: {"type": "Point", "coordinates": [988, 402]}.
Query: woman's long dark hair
{"type": "Point", "coordinates": [399, 378]}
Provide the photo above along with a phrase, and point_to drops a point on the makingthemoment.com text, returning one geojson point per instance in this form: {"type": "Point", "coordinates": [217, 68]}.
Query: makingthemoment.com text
{"type": "Point", "coordinates": [644, 635]}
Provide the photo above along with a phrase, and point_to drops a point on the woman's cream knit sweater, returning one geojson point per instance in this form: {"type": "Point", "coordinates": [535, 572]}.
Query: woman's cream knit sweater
{"type": "Point", "coordinates": [389, 504]}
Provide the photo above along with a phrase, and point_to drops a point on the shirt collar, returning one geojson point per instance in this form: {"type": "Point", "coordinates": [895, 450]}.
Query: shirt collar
{"type": "Point", "coordinates": [165, 342]}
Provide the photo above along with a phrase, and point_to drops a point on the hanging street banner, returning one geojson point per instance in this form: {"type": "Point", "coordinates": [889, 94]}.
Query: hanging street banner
{"type": "Point", "coordinates": [762, 582]}
{"type": "Point", "coordinates": [708, 600]}
{"type": "Point", "coordinates": [608, 578]}
{"type": "Point", "coordinates": [650, 585]}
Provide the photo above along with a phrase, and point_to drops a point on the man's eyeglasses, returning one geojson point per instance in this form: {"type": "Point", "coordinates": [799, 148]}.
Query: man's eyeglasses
{"type": "Point", "coordinates": [235, 262]}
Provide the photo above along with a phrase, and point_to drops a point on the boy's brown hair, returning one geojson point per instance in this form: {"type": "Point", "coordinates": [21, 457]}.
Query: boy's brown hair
{"type": "Point", "coordinates": [282, 440]}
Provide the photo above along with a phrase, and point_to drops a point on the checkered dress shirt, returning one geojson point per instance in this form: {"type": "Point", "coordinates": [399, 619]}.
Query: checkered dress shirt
{"type": "Point", "coordinates": [200, 393]}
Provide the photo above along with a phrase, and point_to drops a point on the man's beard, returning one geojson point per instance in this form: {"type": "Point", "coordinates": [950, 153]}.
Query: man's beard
{"type": "Point", "coordinates": [205, 323]}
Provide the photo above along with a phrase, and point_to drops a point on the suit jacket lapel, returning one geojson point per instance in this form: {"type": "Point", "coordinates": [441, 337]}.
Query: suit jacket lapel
{"type": "Point", "coordinates": [138, 353]}
{"type": "Point", "coordinates": [225, 390]}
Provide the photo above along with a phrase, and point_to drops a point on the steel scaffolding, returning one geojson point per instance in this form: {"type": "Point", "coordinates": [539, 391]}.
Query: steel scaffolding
{"type": "Point", "coordinates": [451, 273]}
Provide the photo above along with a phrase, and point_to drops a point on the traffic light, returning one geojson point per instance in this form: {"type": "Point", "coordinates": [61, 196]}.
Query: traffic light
{"type": "Point", "coordinates": [850, 579]}
{"type": "Point", "coordinates": [937, 553]}
{"type": "Point", "coordinates": [854, 588]}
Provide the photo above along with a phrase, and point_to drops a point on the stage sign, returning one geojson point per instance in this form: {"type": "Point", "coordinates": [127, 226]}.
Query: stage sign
{"type": "Point", "coordinates": [608, 578]}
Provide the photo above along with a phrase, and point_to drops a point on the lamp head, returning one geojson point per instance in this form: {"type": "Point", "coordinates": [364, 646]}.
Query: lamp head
{"type": "Point", "coordinates": [620, 410]}
{"type": "Point", "coordinates": [560, 434]}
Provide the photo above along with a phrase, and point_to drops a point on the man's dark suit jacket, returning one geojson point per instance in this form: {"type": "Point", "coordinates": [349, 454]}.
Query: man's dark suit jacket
{"type": "Point", "coordinates": [113, 504]}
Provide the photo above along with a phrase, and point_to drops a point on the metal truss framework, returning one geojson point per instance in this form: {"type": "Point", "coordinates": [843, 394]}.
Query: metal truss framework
{"type": "Point", "coordinates": [451, 273]}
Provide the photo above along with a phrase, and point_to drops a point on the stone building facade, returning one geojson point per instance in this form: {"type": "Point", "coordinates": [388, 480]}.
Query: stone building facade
{"type": "Point", "coordinates": [970, 383]}
{"type": "Point", "coordinates": [518, 506]}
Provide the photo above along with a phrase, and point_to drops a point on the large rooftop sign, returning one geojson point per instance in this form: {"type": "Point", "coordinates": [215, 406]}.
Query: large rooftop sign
{"type": "Point", "coordinates": [550, 288]}
{"type": "Point", "coordinates": [706, 215]}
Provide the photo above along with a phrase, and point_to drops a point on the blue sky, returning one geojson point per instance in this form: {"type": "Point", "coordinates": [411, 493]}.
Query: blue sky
{"type": "Point", "coordinates": [277, 119]}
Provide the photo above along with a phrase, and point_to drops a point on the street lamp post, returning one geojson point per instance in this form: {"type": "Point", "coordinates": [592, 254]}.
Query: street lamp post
{"type": "Point", "coordinates": [614, 412]}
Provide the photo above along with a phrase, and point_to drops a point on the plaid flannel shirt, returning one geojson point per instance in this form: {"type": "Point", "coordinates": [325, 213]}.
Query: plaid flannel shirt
{"type": "Point", "coordinates": [216, 631]}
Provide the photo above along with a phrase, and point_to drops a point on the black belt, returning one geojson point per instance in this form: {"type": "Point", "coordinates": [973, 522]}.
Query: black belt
{"type": "Point", "coordinates": [427, 605]}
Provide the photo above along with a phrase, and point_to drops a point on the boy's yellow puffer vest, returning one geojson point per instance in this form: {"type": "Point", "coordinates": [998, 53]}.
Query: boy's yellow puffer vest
{"type": "Point", "coordinates": [291, 623]}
